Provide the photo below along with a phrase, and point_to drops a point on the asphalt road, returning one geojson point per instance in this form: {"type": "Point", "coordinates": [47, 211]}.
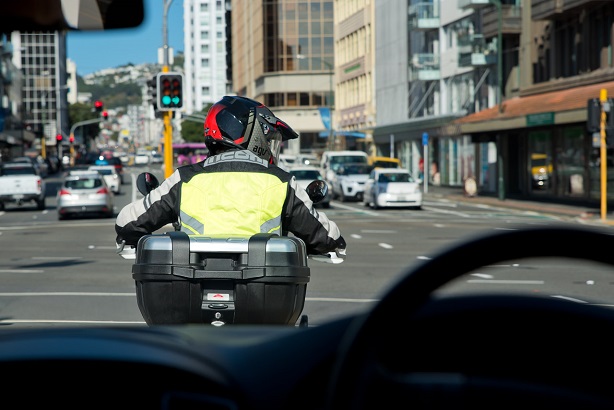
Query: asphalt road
{"type": "Point", "coordinates": [67, 273]}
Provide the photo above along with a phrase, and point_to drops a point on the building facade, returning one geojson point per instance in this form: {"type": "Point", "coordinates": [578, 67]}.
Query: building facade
{"type": "Point", "coordinates": [207, 71]}
{"type": "Point", "coordinates": [41, 58]}
{"type": "Point", "coordinates": [284, 56]}
{"type": "Point", "coordinates": [496, 91]}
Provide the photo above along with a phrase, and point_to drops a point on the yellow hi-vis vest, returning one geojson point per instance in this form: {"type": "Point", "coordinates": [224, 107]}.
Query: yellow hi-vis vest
{"type": "Point", "coordinates": [232, 204]}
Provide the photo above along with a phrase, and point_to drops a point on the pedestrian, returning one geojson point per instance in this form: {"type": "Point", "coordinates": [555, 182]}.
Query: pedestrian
{"type": "Point", "coordinates": [238, 190]}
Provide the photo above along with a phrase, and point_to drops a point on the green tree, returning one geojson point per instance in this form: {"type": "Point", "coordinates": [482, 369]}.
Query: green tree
{"type": "Point", "coordinates": [192, 125]}
{"type": "Point", "coordinates": [81, 112]}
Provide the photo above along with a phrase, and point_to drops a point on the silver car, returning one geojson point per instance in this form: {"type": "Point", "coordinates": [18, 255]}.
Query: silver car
{"type": "Point", "coordinates": [85, 193]}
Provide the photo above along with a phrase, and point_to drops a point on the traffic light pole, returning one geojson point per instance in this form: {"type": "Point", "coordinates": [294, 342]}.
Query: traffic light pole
{"type": "Point", "coordinates": [168, 128]}
{"type": "Point", "coordinates": [603, 98]}
{"type": "Point", "coordinates": [72, 135]}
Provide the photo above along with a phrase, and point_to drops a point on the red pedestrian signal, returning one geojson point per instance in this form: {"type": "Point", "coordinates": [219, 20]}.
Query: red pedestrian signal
{"type": "Point", "coordinates": [59, 138]}
{"type": "Point", "coordinates": [98, 106]}
{"type": "Point", "coordinates": [71, 139]}
{"type": "Point", "coordinates": [105, 115]}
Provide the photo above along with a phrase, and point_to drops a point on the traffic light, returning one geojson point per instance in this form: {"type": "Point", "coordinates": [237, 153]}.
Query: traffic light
{"type": "Point", "coordinates": [98, 106]}
{"type": "Point", "coordinates": [152, 91]}
{"type": "Point", "coordinates": [105, 115]}
{"type": "Point", "coordinates": [71, 139]}
{"type": "Point", "coordinates": [593, 122]}
{"type": "Point", "coordinates": [59, 138]}
{"type": "Point", "coordinates": [169, 91]}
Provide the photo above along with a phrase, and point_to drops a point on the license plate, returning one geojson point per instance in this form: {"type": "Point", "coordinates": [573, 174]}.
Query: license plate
{"type": "Point", "coordinates": [18, 196]}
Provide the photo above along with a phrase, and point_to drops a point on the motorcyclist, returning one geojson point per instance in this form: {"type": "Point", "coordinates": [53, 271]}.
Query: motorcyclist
{"type": "Point", "coordinates": [238, 190]}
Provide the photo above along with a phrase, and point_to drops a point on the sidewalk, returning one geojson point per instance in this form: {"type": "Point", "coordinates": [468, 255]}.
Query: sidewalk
{"type": "Point", "coordinates": [586, 213]}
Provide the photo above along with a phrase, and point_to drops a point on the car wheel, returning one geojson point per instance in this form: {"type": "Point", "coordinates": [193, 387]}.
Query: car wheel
{"type": "Point", "coordinates": [40, 204]}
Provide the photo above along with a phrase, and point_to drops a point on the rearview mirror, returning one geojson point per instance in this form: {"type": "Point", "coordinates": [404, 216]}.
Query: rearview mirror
{"type": "Point", "coordinates": [317, 190]}
{"type": "Point", "coordinates": [146, 182]}
{"type": "Point", "coordinates": [70, 15]}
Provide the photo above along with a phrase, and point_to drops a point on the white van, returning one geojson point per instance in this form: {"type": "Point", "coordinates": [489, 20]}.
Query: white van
{"type": "Point", "coordinates": [331, 160]}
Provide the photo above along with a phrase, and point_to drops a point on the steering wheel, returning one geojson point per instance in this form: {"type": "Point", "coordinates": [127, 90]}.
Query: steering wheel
{"type": "Point", "coordinates": [417, 350]}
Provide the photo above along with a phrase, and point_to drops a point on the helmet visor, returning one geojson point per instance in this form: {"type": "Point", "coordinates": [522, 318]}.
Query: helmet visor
{"type": "Point", "coordinates": [275, 143]}
{"type": "Point", "coordinates": [229, 125]}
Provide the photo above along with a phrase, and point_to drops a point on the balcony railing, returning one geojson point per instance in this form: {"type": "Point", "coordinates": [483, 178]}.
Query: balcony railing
{"type": "Point", "coordinates": [475, 51]}
{"type": "Point", "coordinates": [472, 4]}
{"type": "Point", "coordinates": [424, 67]}
{"type": "Point", "coordinates": [424, 16]}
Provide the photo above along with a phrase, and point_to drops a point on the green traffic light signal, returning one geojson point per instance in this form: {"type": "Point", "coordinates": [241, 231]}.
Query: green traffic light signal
{"type": "Point", "coordinates": [170, 91]}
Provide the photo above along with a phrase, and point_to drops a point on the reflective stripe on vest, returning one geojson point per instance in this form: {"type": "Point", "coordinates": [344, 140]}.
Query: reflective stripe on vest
{"type": "Point", "coordinates": [232, 203]}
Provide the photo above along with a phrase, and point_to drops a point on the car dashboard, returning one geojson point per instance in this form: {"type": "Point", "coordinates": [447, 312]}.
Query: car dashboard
{"type": "Point", "coordinates": [416, 348]}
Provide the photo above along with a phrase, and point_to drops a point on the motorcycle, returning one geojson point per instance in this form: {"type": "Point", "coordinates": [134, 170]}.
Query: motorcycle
{"type": "Point", "coordinates": [183, 278]}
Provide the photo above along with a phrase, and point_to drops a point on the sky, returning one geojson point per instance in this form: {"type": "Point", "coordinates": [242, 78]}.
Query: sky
{"type": "Point", "coordinates": [96, 51]}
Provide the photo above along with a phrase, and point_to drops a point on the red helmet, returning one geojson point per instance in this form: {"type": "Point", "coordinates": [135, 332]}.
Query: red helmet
{"type": "Point", "coordinates": [242, 123]}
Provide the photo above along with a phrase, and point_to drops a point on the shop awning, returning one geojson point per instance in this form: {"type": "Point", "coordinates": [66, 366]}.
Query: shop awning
{"type": "Point", "coordinates": [557, 107]}
{"type": "Point", "coordinates": [347, 134]}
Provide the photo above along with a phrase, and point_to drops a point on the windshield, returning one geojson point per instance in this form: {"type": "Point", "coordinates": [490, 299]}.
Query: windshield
{"type": "Point", "coordinates": [307, 175]}
{"type": "Point", "coordinates": [500, 115]}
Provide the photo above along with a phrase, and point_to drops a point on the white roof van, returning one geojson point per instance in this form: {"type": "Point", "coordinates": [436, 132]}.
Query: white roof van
{"type": "Point", "coordinates": [331, 160]}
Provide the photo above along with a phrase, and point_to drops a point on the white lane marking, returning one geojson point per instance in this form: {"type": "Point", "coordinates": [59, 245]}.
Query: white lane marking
{"type": "Point", "coordinates": [21, 271]}
{"type": "Point", "coordinates": [341, 300]}
{"type": "Point", "coordinates": [445, 211]}
{"type": "Point", "coordinates": [378, 231]}
{"type": "Point", "coordinates": [385, 245]}
{"type": "Point", "coordinates": [482, 275]}
{"type": "Point", "coordinates": [109, 322]}
{"type": "Point", "coordinates": [56, 257]}
{"type": "Point", "coordinates": [9, 294]}
{"type": "Point", "coordinates": [569, 299]}
{"type": "Point", "coordinates": [424, 258]}
{"type": "Point", "coordinates": [355, 236]}
{"type": "Point", "coordinates": [507, 282]}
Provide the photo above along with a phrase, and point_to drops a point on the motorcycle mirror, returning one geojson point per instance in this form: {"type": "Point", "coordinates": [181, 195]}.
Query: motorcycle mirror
{"type": "Point", "coordinates": [146, 182]}
{"type": "Point", "coordinates": [317, 190]}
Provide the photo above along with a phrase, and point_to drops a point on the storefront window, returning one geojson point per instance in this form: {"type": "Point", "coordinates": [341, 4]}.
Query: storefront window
{"type": "Point", "coordinates": [570, 163]}
{"type": "Point", "coordinates": [540, 162]}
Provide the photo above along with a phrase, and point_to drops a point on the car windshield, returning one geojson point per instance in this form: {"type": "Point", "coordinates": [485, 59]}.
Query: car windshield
{"type": "Point", "coordinates": [454, 250]}
{"type": "Point", "coordinates": [355, 169]}
{"type": "Point", "coordinates": [395, 177]}
{"type": "Point", "coordinates": [306, 175]}
{"type": "Point", "coordinates": [83, 183]}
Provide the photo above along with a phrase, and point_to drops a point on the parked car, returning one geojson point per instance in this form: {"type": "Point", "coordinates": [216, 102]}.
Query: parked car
{"type": "Point", "coordinates": [110, 176]}
{"type": "Point", "coordinates": [348, 181]}
{"type": "Point", "coordinates": [304, 174]}
{"type": "Point", "coordinates": [85, 193]}
{"type": "Point", "coordinates": [392, 187]}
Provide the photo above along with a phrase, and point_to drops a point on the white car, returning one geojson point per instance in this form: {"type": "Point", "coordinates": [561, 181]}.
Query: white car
{"type": "Point", "coordinates": [111, 177]}
{"type": "Point", "coordinates": [392, 187]}
{"type": "Point", "coordinates": [348, 181]}
{"type": "Point", "coordinates": [141, 158]}
{"type": "Point", "coordinates": [304, 175]}
{"type": "Point", "coordinates": [287, 161]}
